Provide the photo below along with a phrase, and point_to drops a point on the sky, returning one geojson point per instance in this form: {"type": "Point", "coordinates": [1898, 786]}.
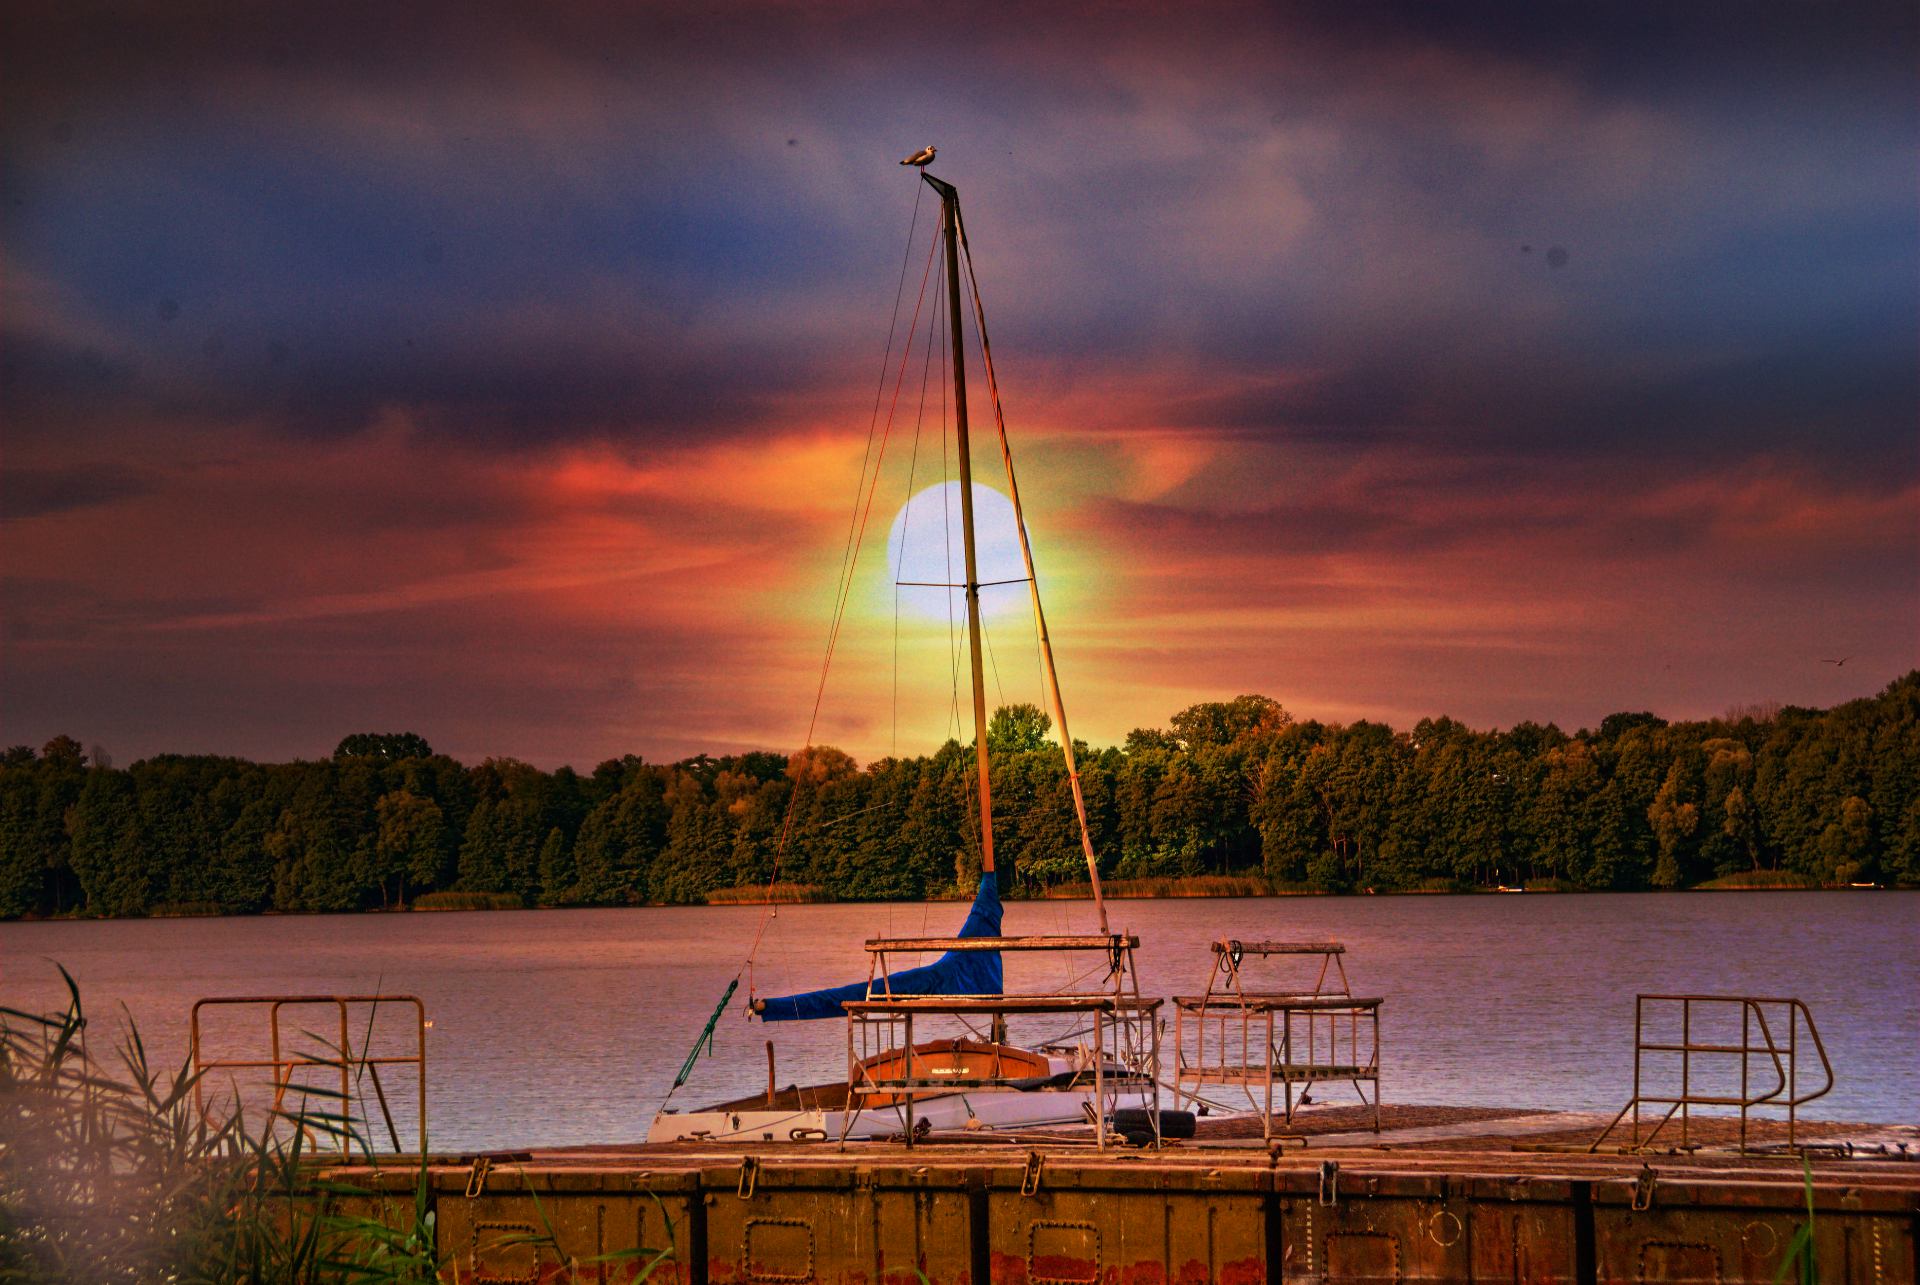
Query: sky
{"type": "Point", "coordinates": [505, 373]}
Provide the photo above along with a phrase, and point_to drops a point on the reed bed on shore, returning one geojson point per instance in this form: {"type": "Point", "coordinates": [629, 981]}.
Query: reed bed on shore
{"type": "Point", "coordinates": [1190, 886]}
{"type": "Point", "coordinates": [467, 901]}
{"type": "Point", "coordinates": [783, 894]}
{"type": "Point", "coordinates": [1761, 879]}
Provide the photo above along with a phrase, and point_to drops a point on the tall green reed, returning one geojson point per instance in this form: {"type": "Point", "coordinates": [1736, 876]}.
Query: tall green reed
{"type": "Point", "coordinates": [111, 1171]}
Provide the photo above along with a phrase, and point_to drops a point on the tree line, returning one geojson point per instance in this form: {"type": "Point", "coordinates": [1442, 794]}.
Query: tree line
{"type": "Point", "coordinates": [1228, 787]}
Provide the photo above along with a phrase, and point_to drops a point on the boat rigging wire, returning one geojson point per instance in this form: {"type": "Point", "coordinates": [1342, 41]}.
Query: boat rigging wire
{"type": "Point", "coordinates": [900, 554]}
{"type": "Point", "coordinates": [872, 462]}
{"type": "Point", "coordinates": [856, 533]}
{"type": "Point", "coordinates": [863, 513]}
{"type": "Point", "coordinates": [1042, 641]}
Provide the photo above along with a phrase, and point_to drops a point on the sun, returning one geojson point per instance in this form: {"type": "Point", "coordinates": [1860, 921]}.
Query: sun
{"type": "Point", "coordinates": [924, 548]}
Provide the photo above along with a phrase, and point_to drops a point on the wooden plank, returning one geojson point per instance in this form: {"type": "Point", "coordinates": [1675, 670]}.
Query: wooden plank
{"type": "Point", "coordinates": [906, 945]}
{"type": "Point", "coordinates": [1000, 1004]}
{"type": "Point", "coordinates": [1228, 1002]}
{"type": "Point", "coordinates": [1294, 1071]}
{"type": "Point", "coordinates": [1225, 946]}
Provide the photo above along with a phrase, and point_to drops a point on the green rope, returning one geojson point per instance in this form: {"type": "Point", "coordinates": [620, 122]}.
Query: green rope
{"type": "Point", "coordinates": [706, 1036]}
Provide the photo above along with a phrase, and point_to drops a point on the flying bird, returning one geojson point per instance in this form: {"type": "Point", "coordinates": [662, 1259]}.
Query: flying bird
{"type": "Point", "coordinates": [920, 158]}
{"type": "Point", "coordinates": [1836, 663]}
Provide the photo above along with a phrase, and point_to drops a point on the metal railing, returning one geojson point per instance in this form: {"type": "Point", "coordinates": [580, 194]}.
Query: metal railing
{"type": "Point", "coordinates": [885, 1066]}
{"type": "Point", "coordinates": [332, 1058]}
{"type": "Point", "coordinates": [1764, 1063]}
{"type": "Point", "coordinates": [1259, 1031]}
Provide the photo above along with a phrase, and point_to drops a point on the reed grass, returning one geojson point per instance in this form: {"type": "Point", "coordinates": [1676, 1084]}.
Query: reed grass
{"type": "Point", "coordinates": [110, 1171]}
{"type": "Point", "coordinates": [1760, 879]}
{"type": "Point", "coordinates": [1434, 887]}
{"type": "Point", "coordinates": [455, 900]}
{"type": "Point", "coordinates": [763, 894]}
{"type": "Point", "coordinates": [1187, 886]}
{"type": "Point", "coordinates": [186, 909]}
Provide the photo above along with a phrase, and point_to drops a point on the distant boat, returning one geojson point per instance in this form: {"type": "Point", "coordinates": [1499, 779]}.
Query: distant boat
{"type": "Point", "coordinates": [1059, 1081]}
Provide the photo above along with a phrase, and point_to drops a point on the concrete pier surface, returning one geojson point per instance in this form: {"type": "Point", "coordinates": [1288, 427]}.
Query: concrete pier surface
{"type": "Point", "coordinates": [1439, 1194]}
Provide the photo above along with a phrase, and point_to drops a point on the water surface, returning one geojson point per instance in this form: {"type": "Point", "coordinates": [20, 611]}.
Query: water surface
{"type": "Point", "coordinates": [567, 1026]}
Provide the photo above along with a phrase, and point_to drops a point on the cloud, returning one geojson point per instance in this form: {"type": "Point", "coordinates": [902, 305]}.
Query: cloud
{"type": "Point", "coordinates": [504, 372]}
{"type": "Point", "coordinates": [585, 227]}
{"type": "Point", "coordinates": [36, 492]}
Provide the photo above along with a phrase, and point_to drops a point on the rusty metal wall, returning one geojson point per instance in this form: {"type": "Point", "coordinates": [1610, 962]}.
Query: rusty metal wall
{"type": "Point", "coordinates": [1075, 1221]}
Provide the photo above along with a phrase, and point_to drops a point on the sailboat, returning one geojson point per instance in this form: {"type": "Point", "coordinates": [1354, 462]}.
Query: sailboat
{"type": "Point", "coordinates": [964, 1083]}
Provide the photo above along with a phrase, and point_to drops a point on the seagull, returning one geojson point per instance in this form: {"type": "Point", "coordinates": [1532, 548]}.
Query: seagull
{"type": "Point", "coordinates": [1835, 663]}
{"type": "Point", "coordinates": [920, 158]}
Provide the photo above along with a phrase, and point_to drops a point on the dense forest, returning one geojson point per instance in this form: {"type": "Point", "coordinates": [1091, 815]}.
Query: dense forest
{"type": "Point", "coordinates": [1229, 787]}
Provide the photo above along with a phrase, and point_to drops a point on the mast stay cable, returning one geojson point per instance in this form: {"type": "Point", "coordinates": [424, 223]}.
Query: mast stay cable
{"type": "Point", "coordinates": [1033, 579]}
{"type": "Point", "coordinates": [856, 533]}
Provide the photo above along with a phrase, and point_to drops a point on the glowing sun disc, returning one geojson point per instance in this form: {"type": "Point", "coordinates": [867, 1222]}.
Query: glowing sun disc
{"type": "Point", "coordinates": [925, 545]}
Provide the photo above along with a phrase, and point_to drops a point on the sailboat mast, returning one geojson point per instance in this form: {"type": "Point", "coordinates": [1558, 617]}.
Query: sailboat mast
{"type": "Point", "coordinates": [1056, 702]}
{"type": "Point", "coordinates": [949, 216]}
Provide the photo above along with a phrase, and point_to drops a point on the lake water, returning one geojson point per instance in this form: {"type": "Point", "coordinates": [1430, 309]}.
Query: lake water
{"type": "Point", "coordinates": [567, 1026]}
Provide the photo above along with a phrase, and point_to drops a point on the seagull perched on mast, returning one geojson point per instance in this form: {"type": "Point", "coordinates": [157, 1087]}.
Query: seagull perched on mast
{"type": "Point", "coordinates": [920, 158]}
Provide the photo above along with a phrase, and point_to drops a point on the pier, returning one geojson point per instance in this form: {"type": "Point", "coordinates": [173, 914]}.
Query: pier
{"type": "Point", "coordinates": [1437, 1195]}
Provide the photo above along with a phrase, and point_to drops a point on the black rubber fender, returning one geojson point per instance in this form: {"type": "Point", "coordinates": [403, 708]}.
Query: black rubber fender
{"type": "Point", "coordinates": [1132, 1121]}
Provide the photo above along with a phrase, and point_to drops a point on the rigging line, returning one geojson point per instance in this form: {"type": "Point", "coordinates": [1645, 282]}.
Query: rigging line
{"type": "Point", "coordinates": [866, 515]}
{"type": "Point", "coordinates": [992, 659]}
{"type": "Point", "coordinates": [839, 613]}
{"type": "Point", "coordinates": [946, 538]}
{"type": "Point", "coordinates": [1052, 686]}
{"type": "Point", "coordinates": [866, 512]}
{"type": "Point", "coordinates": [993, 391]}
{"type": "Point", "coordinates": [894, 745]}
{"type": "Point", "coordinates": [845, 591]}
{"type": "Point", "coordinates": [842, 819]}
{"type": "Point", "coordinates": [906, 527]}
{"type": "Point", "coordinates": [900, 554]}
{"type": "Point", "coordinates": [880, 387]}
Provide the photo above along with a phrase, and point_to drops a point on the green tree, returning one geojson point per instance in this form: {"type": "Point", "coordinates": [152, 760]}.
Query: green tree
{"type": "Point", "coordinates": [620, 839]}
{"type": "Point", "coordinates": [1017, 729]}
{"type": "Point", "coordinates": [110, 854]}
{"type": "Point", "coordinates": [387, 746]}
{"type": "Point", "coordinates": [1225, 722]}
{"type": "Point", "coordinates": [409, 844]}
{"type": "Point", "coordinates": [1846, 842]}
{"type": "Point", "coordinates": [1674, 820]}
{"type": "Point", "coordinates": [316, 862]}
{"type": "Point", "coordinates": [23, 868]}
{"type": "Point", "coordinates": [557, 873]}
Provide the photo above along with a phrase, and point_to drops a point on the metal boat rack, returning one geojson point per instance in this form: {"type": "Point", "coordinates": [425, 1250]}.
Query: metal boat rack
{"type": "Point", "coordinates": [1258, 1035]}
{"type": "Point", "coordinates": [1123, 1026]}
{"type": "Point", "coordinates": [1685, 1055]}
{"type": "Point", "coordinates": [330, 1056]}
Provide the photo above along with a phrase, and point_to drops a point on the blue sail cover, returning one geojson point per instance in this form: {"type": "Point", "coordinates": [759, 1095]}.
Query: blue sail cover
{"type": "Point", "coordinates": [954, 973]}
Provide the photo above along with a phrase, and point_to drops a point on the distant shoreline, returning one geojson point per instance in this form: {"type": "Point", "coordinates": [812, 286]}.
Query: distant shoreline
{"type": "Point", "coordinates": [1219, 887]}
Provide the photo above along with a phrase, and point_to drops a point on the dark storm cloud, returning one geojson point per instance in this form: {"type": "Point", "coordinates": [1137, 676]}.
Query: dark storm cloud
{"type": "Point", "coordinates": [39, 371]}
{"type": "Point", "coordinates": [27, 492]}
{"type": "Point", "coordinates": [588, 220]}
{"type": "Point", "coordinates": [1653, 43]}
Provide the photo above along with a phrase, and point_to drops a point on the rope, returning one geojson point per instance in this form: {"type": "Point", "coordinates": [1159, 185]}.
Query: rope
{"type": "Point", "coordinates": [704, 1042]}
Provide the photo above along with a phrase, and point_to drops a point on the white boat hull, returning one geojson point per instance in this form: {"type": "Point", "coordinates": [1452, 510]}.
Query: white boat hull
{"type": "Point", "coordinates": [947, 1111]}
